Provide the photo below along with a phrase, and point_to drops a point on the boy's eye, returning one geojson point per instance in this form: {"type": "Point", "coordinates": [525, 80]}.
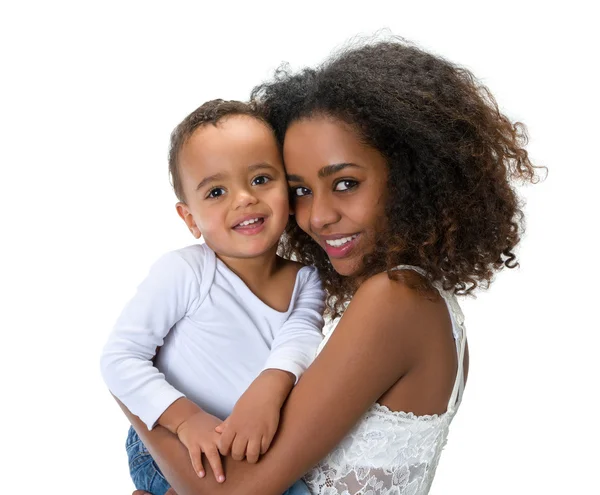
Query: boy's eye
{"type": "Point", "coordinates": [215, 193]}
{"type": "Point", "coordinates": [345, 185]}
{"type": "Point", "coordinates": [300, 191]}
{"type": "Point", "coordinates": [260, 180]}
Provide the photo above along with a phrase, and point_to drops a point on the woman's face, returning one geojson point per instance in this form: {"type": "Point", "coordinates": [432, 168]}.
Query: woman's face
{"type": "Point", "coordinates": [337, 187]}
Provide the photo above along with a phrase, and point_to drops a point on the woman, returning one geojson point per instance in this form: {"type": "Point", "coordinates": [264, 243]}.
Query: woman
{"type": "Point", "coordinates": [399, 165]}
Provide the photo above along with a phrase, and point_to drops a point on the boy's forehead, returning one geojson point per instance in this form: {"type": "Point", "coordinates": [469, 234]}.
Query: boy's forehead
{"type": "Point", "coordinates": [234, 144]}
{"type": "Point", "coordinates": [238, 127]}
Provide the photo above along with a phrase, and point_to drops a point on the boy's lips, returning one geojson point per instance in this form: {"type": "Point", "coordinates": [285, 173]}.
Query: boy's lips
{"type": "Point", "coordinates": [248, 220]}
{"type": "Point", "coordinates": [250, 224]}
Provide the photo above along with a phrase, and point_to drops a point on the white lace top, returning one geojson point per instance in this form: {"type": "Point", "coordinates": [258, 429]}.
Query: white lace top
{"type": "Point", "coordinates": [388, 452]}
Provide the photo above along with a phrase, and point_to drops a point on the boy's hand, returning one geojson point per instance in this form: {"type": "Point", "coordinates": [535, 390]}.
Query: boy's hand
{"type": "Point", "coordinates": [198, 434]}
{"type": "Point", "coordinates": [250, 428]}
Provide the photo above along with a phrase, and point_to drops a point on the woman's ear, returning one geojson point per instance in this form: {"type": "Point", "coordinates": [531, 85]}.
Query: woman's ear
{"type": "Point", "coordinates": [186, 215]}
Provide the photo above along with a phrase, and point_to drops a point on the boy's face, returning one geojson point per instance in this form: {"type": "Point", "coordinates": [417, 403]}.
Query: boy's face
{"type": "Point", "coordinates": [235, 187]}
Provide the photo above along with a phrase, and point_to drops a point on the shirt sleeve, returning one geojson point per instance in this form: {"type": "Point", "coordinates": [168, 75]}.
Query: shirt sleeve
{"type": "Point", "coordinates": [161, 300]}
{"type": "Point", "coordinates": [295, 344]}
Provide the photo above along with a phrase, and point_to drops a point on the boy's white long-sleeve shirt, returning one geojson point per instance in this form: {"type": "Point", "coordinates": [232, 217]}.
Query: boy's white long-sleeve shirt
{"type": "Point", "coordinates": [215, 334]}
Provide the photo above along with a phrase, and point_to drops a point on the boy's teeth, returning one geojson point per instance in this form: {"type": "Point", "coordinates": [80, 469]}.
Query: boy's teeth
{"type": "Point", "coordinates": [248, 222]}
{"type": "Point", "coordinates": [342, 241]}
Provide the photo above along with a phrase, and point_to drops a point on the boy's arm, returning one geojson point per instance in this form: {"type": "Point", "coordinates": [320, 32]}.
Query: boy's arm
{"type": "Point", "coordinates": [295, 344]}
{"type": "Point", "coordinates": [272, 387]}
{"type": "Point", "coordinates": [250, 428]}
{"type": "Point", "coordinates": [169, 292]}
{"type": "Point", "coordinates": [161, 300]}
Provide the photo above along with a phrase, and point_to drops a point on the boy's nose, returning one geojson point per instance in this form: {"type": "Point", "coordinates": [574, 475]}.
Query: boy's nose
{"type": "Point", "coordinates": [243, 199]}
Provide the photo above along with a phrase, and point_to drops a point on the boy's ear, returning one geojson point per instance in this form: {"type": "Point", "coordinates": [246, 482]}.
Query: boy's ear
{"type": "Point", "coordinates": [186, 215]}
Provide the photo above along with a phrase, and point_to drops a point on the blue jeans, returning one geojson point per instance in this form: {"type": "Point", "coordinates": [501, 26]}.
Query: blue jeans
{"type": "Point", "coordinates": [147, 476]}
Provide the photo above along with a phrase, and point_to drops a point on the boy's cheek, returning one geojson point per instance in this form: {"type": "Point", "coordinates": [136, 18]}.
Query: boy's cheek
{"type": "Point", "coordinates": [282, 203]}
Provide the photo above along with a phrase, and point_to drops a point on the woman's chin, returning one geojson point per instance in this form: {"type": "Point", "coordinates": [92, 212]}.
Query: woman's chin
{"type": "Point", "coordinates": [346, 267]}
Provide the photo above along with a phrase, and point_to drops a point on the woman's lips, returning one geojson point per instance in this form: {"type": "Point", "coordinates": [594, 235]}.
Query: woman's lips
{"type": "Point", "coordinates": [348, 242]}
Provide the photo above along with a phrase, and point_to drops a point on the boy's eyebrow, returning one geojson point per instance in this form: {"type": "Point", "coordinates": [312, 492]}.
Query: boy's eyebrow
{"type": "Point", "coordinates": [325, 171]}
{"type": "Point", "coordinates": [258, 166]}
{"type": "Point", "coordinates": [221, 176]}
{"type": "Point", "coordinates": [210, 178]}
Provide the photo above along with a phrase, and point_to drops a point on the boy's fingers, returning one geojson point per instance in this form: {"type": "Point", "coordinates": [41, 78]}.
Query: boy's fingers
{"type": "Point", "coordinates": [226, 441]}
{"type": "Point", "coordinates": [238, 449]}
{"type": "Point", "coordinates": [265, 443]}
{"type": "Point", "coordinates": [220, 428]}
{"type": "Point", "coordinates": [214, 459]}
{"type": "Point", "coordinates": [196, 458]}
{"type": "Point", "coordinates": [253, 450]}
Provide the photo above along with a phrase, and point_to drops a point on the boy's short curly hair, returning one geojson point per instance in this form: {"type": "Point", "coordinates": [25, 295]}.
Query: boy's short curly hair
{"type": "Point", "coordinates": [210, 112]}
{"type": "Point", "coordinates": [451, 154]}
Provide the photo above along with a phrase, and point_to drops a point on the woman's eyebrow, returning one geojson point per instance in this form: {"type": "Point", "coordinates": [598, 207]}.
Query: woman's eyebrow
{"type": "Point", "coordinates": [325, 171]}
{"type": "Point", "coordinates": [336, 167]}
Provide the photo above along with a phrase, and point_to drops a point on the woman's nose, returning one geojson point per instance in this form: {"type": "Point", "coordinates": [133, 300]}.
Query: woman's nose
{"type": "Point", "coordinates": [323, 213]}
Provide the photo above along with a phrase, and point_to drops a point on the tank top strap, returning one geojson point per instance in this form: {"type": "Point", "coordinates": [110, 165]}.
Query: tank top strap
{"type": "Point", "coordinates": [411, 267]}
{"type": "Point", "coordinates": [458, 331]}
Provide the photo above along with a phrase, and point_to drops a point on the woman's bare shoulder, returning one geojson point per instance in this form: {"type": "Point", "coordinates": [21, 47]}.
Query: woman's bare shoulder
{"type": "Point", "coordinates": [395, 303]}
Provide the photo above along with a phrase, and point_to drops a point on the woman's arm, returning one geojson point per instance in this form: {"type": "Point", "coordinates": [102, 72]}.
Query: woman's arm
{"type": "Point", "coordinates": [367, 354]}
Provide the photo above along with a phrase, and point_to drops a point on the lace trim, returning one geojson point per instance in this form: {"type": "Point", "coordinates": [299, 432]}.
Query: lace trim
{"type": "Point", "coordinates": [407, 415]}
{"type": "Point", "coordinates": [389, 452]}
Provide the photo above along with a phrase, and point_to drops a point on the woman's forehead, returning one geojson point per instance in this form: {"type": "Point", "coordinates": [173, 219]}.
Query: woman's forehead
{"type": "Point", "coordinates": [324, 142]}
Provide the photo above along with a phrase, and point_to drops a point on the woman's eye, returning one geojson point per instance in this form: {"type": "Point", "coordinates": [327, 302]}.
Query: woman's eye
{"type": "Point", "coordinates": [300, 191]}
{"type": "Point", "coordinates": [345, 185]}
{"type": "Point", "coordinates": [215, 193]}
{"type": "Point", "coordinates": [260, 180]}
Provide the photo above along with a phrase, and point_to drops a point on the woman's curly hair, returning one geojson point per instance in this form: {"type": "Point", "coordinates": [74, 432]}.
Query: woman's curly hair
{"type": "Point", "coordinates": [451, 154]}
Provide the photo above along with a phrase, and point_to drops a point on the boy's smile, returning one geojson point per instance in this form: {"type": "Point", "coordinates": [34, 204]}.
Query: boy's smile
{"type": "Point", "coordinates": [235, 187]}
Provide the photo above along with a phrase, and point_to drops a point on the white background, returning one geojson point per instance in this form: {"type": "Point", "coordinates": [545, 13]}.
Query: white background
{"type": "Point", "coordinates": [89, 94]}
